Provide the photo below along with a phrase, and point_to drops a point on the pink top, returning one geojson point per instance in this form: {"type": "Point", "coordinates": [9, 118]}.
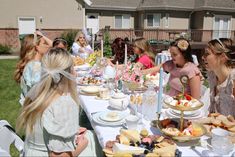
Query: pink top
{"type": "Point", "coordinates": [174, 84]}
{"type": "Point", "coordinates": [146, 61]}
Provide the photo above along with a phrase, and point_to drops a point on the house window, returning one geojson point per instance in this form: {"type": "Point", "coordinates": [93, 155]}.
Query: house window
{"type": "Point", "coordinates": [153, 20]}
{"type": "Point", "coordinates": [167, 20]}
{"type": "Point", "coordinates": [221, 27]}
{"type": "Point", "coordinates": [27, 25]}
{"type": "Point", "coordinates": [122, 21]}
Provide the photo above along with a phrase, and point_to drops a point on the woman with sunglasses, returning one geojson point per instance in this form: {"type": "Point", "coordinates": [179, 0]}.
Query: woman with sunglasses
{"type": "Point", "coordinates": [219, 61]}
{"type": "Point", "coordinates": [80, 46]}
{"type": "Point", "coordinates": [28, 69]}
{"type": "Point", "coordinates": [180, 65]}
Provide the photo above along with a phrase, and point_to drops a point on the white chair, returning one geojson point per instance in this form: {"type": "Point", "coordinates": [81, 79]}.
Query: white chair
{"type": "Point", "coordinates": [7, 137]}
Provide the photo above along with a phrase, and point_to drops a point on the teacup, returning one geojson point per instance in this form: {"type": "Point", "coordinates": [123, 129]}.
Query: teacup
{"type": "Point", "coordinates": [103, 92]}
{"type": "Point", "coordinates": [220, 141]}
{"type": "Point", "coordinates": [132, 121]}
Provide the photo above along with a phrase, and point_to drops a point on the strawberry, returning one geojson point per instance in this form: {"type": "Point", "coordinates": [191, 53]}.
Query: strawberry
{"type": "Point", "coordinates": [187, 97]}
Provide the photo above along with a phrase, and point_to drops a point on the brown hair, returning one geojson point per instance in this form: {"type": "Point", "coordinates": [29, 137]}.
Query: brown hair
{"type": "Point", "coordinates": [144, 46]}
{"type": "Point", "coordinates": [223, 46]}
{"type": "Point", "coordinates": [27, 53]}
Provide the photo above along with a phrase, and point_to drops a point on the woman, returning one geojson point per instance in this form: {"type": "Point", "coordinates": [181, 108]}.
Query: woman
{"type": "Point", "coordinates": [60, 42]}
{"type": "Point", "coordinates": [50, 112]}
{"type": "Point", "coordinates": [118, 50]}
{"type": "Point", "coordinates": [28, 69]}
{"type": "Point", "coordinates": [180, 65]}
{"type": "Point", "coordinates": [80, 46]}
{"type": "Point", "coordinates": [145, 57]}
{"type": "Point", "coordinates": [219, 61]}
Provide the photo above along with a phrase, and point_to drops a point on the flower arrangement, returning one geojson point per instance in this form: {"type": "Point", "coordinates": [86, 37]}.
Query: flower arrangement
{"type": "Point", "coordinates": [130, 73]}
{"type": "Point", "coordinates": [183, 45]}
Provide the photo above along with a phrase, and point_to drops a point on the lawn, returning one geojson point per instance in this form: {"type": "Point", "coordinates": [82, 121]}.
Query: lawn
{"type": "Point", "coordinates": [9, 94]}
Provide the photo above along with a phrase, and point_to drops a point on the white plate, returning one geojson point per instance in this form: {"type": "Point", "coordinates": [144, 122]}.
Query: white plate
{"type": "Point", "coordinates": [186, 113]}
{"type": "Point", "coordinates": [118, 95]}
{"type": "Point", "coordinates": [105, 116]}
{"type": "Point", "coordinates": [96, 119]}
{"type": "Point", "coordinates": [84, 67]}
{"type": "Point", "coordinates": [173, 115]}
{"type": "Point", "coordinates": [90, 89]}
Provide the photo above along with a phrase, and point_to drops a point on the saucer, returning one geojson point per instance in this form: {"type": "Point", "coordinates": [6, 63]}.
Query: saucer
{"type": "Point", "coordinates": [99, 98]}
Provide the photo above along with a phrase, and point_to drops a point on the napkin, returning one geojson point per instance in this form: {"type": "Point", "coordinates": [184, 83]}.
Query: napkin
{"type": "Point", "coordinates": [120, 104]}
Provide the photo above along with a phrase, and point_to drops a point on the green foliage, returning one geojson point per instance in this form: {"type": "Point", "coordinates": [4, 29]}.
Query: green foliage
{"type": "Point", "coordinates": [9, 95]}
{"type": "Point", "coordinates": [107, 46]}
{"type": "Point", "coordinates": [5, 49]}
{"type": "Point", "coordinates": [69, 36]}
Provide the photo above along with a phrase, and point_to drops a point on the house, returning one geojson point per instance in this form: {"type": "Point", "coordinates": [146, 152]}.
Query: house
{"type": "Point", "coordinates": [201, 20]}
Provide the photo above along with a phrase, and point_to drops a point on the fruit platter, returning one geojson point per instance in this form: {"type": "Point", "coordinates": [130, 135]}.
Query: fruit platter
{"type": "Point", "coordinates": [171, 127]}
{"type": "Point", "coordinates": [135, 143]}
{"type": "Point", "coordinates": [90, 81]}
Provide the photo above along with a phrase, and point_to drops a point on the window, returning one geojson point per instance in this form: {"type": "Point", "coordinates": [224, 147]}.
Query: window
{"type": "Point", "coordinates": [122, 21]}
{"type": "Point", "coordinates": [153, 20]}
{"type": "Point", "coordinates": [222, 26]}
{"type": "Point", "coordinates": [26, 25]}
{"type": "Point", "coordinates": [167, 20]}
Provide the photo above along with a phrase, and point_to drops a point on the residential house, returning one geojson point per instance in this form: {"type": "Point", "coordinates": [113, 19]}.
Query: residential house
{"type": "Point", "coordinates": [201, 20]}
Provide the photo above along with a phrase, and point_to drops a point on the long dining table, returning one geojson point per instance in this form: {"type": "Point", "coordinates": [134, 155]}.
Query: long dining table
{"type": "Point", "coordinates": [92, 106]}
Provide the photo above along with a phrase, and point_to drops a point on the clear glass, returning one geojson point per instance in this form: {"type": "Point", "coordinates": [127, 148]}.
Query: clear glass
{"type": "Point", "coordinates": [149, 105]}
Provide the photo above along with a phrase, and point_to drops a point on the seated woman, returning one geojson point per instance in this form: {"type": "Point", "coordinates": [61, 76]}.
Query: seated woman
{"type": "Point", "coordinates": [118, 50]}
{"type": "Point", "coordinates": [50, 113]}
{"type": "Point", "coordinates": [180, 65]}
{"type": "Point", "coordinates": [28, 69]}
{"type": "Point", "coordinates": [220, 62]}
{"type": "Point", "coordinates": [80, 46]}
{"type": "Point", "coordinates": [60, 43]}
{"type": "Point", "coordinates": [145, 57]}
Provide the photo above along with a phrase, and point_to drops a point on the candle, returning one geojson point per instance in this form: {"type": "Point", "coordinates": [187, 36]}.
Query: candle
{"type": "Point", "coordinates": [160, 91]}
{"type": "Point", "coordinates": [102, 48]}
{"type": "Point", "coordinates": [125, 60]}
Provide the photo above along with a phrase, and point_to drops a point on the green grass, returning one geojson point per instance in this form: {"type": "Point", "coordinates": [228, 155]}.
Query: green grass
{"type": "Point", "coordinates": [9, 94]}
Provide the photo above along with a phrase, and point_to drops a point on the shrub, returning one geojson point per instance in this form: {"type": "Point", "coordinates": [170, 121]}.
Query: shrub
{"type": "Point", "coordinates": [5, 49]}
{"type": "Point", "coordinates": [107, 46]}
{"type": "Point", "coordinates": [69, 36]}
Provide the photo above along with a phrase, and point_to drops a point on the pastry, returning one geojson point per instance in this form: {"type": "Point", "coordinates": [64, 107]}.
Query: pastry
{"type": "Point", "coordinates": [232, 129]}
{"type": "Point", "coordinates": [144, 133]}
{"type": "Point", "coordinates": [231, 118]}
{"type": "Point", "coordinates": [132, 135]}
{"type": "Point", "coordinates": [213, 114]}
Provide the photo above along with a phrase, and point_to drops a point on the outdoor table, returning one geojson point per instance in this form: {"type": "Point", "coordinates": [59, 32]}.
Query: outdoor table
{"type": "Point", "coordinates": [105, 133]}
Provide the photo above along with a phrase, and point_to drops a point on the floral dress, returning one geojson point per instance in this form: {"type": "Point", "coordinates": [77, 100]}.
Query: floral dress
{"type": "Point", "coordinates": [31, 75]}
{"type": "Point", "coordinates": [174, 86]}
{"type": "Point", "coordinates": [221, 96]}
{"type": "Point", "coordinates": [56, 130]}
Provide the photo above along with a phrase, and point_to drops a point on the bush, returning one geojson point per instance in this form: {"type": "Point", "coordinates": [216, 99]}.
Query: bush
{"type": "Point", "coordinates": [5, 49]}
{"type": "Point", "coordinates": [69, 36]}
{"type": "Point", "coordinates": [107, 46]}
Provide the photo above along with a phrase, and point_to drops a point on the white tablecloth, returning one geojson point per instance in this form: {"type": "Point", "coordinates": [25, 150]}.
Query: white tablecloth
{"type": "Point", "coordinates": [105, 133]}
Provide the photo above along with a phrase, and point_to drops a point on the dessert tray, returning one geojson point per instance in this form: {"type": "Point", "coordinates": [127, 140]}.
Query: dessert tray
{"type": "Point", "coordinates": [133, 142]}
{"type": "Point", "coordinates": [183, 102]}
{"type": "Point", "coordinates": [109, 118]}
{"type": "Point", "coordinates": [88, 81]}
{"type": "Point", "coordinates": [171, 127]}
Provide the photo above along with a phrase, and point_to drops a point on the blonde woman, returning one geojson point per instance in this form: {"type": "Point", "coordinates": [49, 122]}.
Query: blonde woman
{"type": "Point", "coordinates": [80, 46]}
{"type": "Point", "coordinates": [28, 70]}
{"type": "Point", "coordinates": [220, 62]}
{"type": "Point", "coordinates": [50, 112]}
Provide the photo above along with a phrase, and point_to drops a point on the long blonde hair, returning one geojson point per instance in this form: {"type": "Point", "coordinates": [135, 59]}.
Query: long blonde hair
{"type": "Point", "coordinates": [55, 59]}
{"type": "Point", "coordinates": [144, 46]}
{"type": "Point", "coordinates": [77, 38]}
{"type": "Point", "coordinates": [27, 53]}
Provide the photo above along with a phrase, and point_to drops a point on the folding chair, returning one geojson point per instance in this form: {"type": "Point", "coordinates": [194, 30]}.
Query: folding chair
{"type": "Point", "coordinates": [8, 136]}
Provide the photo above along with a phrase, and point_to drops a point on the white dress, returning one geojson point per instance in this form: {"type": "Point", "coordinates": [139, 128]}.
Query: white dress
{"type": "Point", "coordinates": [76, 50]}
{"type": "Point", "coordinates": [56, 130]}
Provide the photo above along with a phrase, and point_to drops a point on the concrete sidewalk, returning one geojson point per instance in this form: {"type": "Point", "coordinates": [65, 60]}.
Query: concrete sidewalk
{"type": "Point", "coordinates": [8, 57]}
